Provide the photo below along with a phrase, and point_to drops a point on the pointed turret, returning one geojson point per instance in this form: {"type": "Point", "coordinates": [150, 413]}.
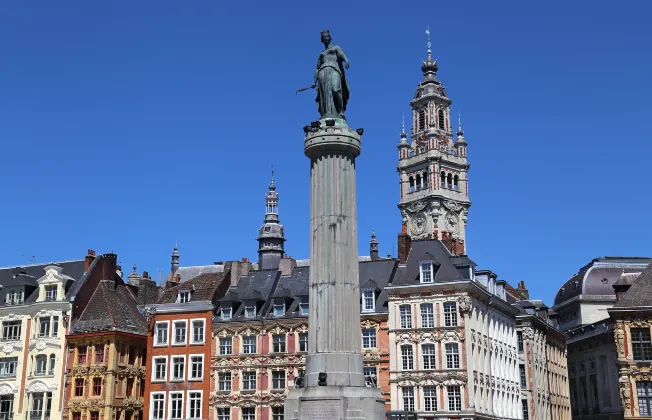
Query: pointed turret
{"type": "Point", "coordinates": [270, 237]}
{"type": "Point", "coordinates": [175, 260]}
{"type": "Point", "coordinates": [403, 145]}
{"type": "Point", "coordinates": [373, 246]}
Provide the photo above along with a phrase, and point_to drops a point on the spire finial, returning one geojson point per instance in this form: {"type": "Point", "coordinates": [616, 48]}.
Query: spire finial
{"type": "Point", "coordinates": [272, 187]}
{"type": "Point", "coordinates": [460, 132]}
{"type": "Point", "coordinates": [429, 44]}
{"type": "Point", "coordinates": [403, 126]}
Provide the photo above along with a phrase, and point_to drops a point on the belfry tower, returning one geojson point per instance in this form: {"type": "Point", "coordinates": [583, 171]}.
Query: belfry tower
{"type": "Point", "coordinates": [270, 237]}
{"type": "Point", "coordinates": [433, 168]}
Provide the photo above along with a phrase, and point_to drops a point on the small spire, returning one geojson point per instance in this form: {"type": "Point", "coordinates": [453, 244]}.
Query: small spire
{"type": "Point", "coordinates": [373, 236]}
{"type": "Point", "coordinates": [272, 187]}
{"type": "Point", "coordinates": [403, 142]}
{"type": "Point", "coordinates": [460, 132]}
{"type": "Point", "coordinates": [429, 44]}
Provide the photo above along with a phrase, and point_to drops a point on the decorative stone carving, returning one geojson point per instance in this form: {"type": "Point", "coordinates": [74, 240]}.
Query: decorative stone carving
{"type": "Point", "coordinates": [10, 317]}
{"type": "Point", "coordinates": [464, 304]}
{"type": "Point", "coordinates": [369, 323]}
{"type": "Point", "coordinates": [11, 347]}
{"type": "Point", "coordinates": [37, 386]}
{"type": "Point", "coordinates": [418, 224]}
{"type": "Point", "coordinates": [6, 389]}
{"type": "Point", "coordinates": [417, 206]}
{"type": "Point", "coordinates": [623, 384]}
{"type": "Point", "coordinates": [75, 405]}
{"type": "Point", "coordinates": [79, 370]}
{"type": "Point", "coordinates": [94, 405]}
{"type": "Point", "coordinates": [619, 335]}
{"type": "Point", "coordinates": [97, 370]}
{"type": "Point", "coordinates": [133, 404]}
{"type": "Point", "coordinates": [528, 333]}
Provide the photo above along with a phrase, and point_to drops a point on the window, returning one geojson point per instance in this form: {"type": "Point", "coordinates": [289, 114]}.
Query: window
{"type": "Point", "coordinates": [160, 368]}
{"type": "Point", "coordinates": [641, 345]}
{"type": "Point", "coordinates": [279, 309]}
{"type": "Point", "coordinates": [226, 345]}
{"type": "Point", "coordinates": [95, 415]}
{"type": "Point", "coordinates": [8, 367]}
{"type": "Point", "coordinates": [194, 405]}
{"type": "Point", "coordinates": [422, 119]}
{"type": "Point", "coordinates": [303, 341]}
{"type": "Point", "coordinates": [97, 386]}
{"type": "Point", "coordinates": [130, 387]}
{"type": "Point", "coordinates": [51, 292]}
{"type": "Point", "coordinates": [81, 355]}
{"type": "Point", "coordinates": [427, 316]}
{"type": "Point", "coordinates": [183, 297]}
{"type": "Point", "coordinates": [454, 398]}
{"type": "Point", "coordinates": [197, 331]}
{"type": "Point", "coordinates": [452, 356]}
{"type": "Point", "coordinates": [442, 120]}
{"type": "Point", "coordinates": [368, 301]}
{"type": "Point", "coordinates": [53, 361]}
{"type": "Point", "coordinates": [249, 344]}
{"type": "Point", "coordinates": [644, 396]}
{"type": "Point", "coordinates": [44, 327]}
{"type": "Point", "coordinates": [250, 311]}
{"type": "Point", "coordinates": [405, 316]}
{"type": "Point", "coordinates": [224, 413]}
{"type": "Point", "coordinates": [368, 338]}
{"type": "Point", "coordinates": [450, 314]}
{"type": "Point", "coordinates": [225, 312]}
{"type": "Point", "coordinates": [37, 405]}
{"type": "Point", "coordinates": [526, 411]}
{"type": "Point", "coordinates": [370, 376]}
{"type": "Point", "coordinates": [304, 309]}
{"type": "Point", "coordinates": [176, 405]}
{"type": "Point", "coordinates": [178, 368]}
{"type": "Point", "coordinates": [180, 332]}
{"type": "Point", "coordinates": [408, 398]}
{"type": "Point", "coordinates": [248, 381]}
{"type": "Point", "coordinates": [426, 272]}
{"type": "Point", "coordinates": [277, 413]}
{"type": "Point", "coordinates": [55, 326]}
{"type": "Point", "coordinates": [6, 407]}
{"type": "Point", "coordinates": [278, 343]}
{"type": "Point", "coordinates": [428, 351]}
{"type": "Point", "coordinates": [158, 406]}
{"type": "Point", "coordinates": [11, 330]}
{"type": "Point", "coordinates": [429, 398]}
{"type": "Point", "coordinates": [196, 366]}
{"type": "Point", "coordinates": [99, 353]}
{"type": "Point", "coordinates": [76, 416]}
{"type": "Point", "coordinates": [248, 413]}
{"type": "Point", "coordinates": [519, 341]}
{"type": "Point", "coordinates": [278, 379]}
{"type": "Point", "coordinates": [224, 381]}
{"type": "Point", "coordinates": [41, 365]}
{"type": "Point", "coordinates": [79, 387]}
{"type": "Point", "coordinates": [14, 297]}
{"type": "Point", "coordinates": [521, 371]}
{"type": "Point", "coordinates": [161, 329]}
{"type": "Point", "coordinates": [407, 357]}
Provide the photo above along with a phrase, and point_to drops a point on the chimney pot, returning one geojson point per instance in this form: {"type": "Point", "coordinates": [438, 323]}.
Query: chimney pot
{"type": "Point", "coordinates": [145, 275]}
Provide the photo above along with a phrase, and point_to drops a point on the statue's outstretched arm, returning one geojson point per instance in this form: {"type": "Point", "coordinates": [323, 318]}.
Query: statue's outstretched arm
{"type": "Point", "coordinates": [343, 57]}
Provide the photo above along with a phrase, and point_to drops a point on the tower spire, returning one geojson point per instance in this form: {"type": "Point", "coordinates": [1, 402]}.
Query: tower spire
{"type": "Point", "coordinates": [460, 132]}
{"type": "Point", "coordinates": [270, 237]}
{"type": "Point", "coordinates": [175, 259]}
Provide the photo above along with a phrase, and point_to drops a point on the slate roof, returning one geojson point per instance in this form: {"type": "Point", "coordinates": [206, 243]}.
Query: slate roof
{"type": "Point", "coordinates": [447, 267]}
{"type": "Point", "coordinates": [27, 276]}
{"type": "Point", "coordinates": [203, 288]}
{"type": "Point", "coordinates": [640, 292]}
{"type": "Point", "coordinates": [187, 273]}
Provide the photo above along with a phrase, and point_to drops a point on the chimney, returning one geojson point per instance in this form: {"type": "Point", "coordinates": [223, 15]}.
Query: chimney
{"type": "Point", "coordinates": [522, 291]}
{"type": "Point", "coordinates": [109, 266]}
{"type": "Point", "coordinates": [145, 275]}
{"type": "Point", "coordinates": [245, 260]}
{"type": "Point", "coordinates": [404, 247]}
{"type": "Point", "coordinates": [286, 265]}
{"type": "Point", "coordinates": [89, 260]}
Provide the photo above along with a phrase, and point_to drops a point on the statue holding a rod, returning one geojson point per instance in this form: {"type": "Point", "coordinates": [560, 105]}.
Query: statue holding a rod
{"type": "Point", "coordinates": [330, 80]}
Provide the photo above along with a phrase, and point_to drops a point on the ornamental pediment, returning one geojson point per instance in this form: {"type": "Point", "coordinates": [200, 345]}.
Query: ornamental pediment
{"type": "Point", "coordinates": [40, 386]}
{"type": "Point", "coordinates": [301, 328]}
{"type": "Point", "coordinates": [278, 329]}
{"type": "Point", "coordinates": [8, 389]}
{"type": "Point", "coordinates": [225, 332]}
{"type": "Point", "coordinates": [249, 330]}
{"type": "Point", "coordinates": [41, 344]}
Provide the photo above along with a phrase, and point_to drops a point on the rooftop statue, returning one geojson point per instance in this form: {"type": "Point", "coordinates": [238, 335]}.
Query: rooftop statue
{"type": "Point", "coordinates": [330, 80]}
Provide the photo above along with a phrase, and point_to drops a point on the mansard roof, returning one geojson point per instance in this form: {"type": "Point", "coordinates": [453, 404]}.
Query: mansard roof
{"type": "Point", "coordinates": [204, 287]}
{"type": "Point", "coordinates": [447, 266]}
{"type": "Point", "coordinates": [640, 292]}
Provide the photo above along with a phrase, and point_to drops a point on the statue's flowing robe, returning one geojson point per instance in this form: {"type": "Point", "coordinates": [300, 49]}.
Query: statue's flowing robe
{"type": "Point", "coordinates": [330, 79]}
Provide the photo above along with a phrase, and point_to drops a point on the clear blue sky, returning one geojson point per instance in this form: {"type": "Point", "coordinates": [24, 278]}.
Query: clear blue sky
{"type": "Point", "coordinates": [127, 126]}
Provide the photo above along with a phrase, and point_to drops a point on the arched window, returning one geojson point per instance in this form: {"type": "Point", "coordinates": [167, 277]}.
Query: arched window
{"type": "Point", "coordinates": [442, 121]}
{"type": "Point", "coordinates": [411, 184]}
{"type": "Point", "coordinates": [422, 119]}
{"type": "Point", "coordinates": [425, 179]}
{"type": "Point", "coordinates": [450, 181]}
{"type": "Point", "coordinates": [418, 181]}
{"type": "Point", "coordinates": [455, 182]}
{"type": "Point", "coordinates": [443, 179]}
{"type": "Point", "coordinates": [422, 149]}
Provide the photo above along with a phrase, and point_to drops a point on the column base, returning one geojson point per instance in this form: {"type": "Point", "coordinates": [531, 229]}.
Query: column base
{"type": "Point", "coordinates": [335, 403]}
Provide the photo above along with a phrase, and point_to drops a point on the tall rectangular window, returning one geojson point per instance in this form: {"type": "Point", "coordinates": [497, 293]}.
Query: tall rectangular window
{"type": "Point", "coordinates": [41, 365]}
{"type": "Point", "coordinates": [224, 381]}
{"type": "Point", "coordinates": [249, 413]}
{"type": "Point", "coordinates": [427, 316]}
{"type": "Point", "coordinates": [99, 354]}
{"type": "Point", "coordinates": [641, 345]}
{"type": "Point", "coordinates": [370, 376]}
{"type": "Point", "coordinates": [130, 387]}
{"type": "Point", "coordinates": [11, 330]}
{"type": "Point", "coordinates": [644, 396]}
{"type": "Point", "coordinates": [161, 333]}
{"type": "Point", "coordinates": [428, 351]}
{"type": "Point", "coordinates": [519, 341]}
{"type": "Point", "coordinates": [452, 356]}
{"type": "Point", "coordinates": [405, 316]}
{"type": "Point", "coordinates": [95, 415]}
{"type": "Point", "coordinates": [249, 381]}
{"type": "Point", "coordinates": [426, 272]}
{"type": "Point", "coordinates": [81, 355]}
{"type": "Point", "coordinates": [55, 326]}
{"type": "Point", "coordinates": [521, 371]}
{"type": "Point", "coordinates": [196, 366]}
{"type": "Point", "coordinates": [408, 398]}
{"type": "Point", "coordinates": [158, 406]}
{"type": "Point", "coordinates": [368, 301]}
{"type": "Point", "coordinates": [304, 309]}
{"type": "Point", "coordinates": [407, 357]}
{"type": "Point", "coordinates": [450, 314]}
{"type": "Point", "coordinates": [176, 406]}
{"type": "Point", "coordinates": [278, 379]}
{"type": "Point", "coordinates": [249, 344]}
{"type": "Point", "coordinates": [51, 293]}
{"type": "Point", "coordinates": [454, 397]}
{"type": "Point", "coordinates": [277, 413]}
{"type": "Point", "coordinates": [430, 398]}
{"type": "Point", "coordinates": [97, 386]}
{"type": "Point", "coordinates": [224, 413]}
{"type": "Point", "coordinates": [278, 341]}
{"type": "Point", "coordinates": [160, 368]}
{"type": "Point", "coordinates": [44, 327]}
{"type": "Point", "coordinates": [194, 405]}
{"type": "Point", "coordinates": [178, 368]}
{"type": "Point", "coordinates": [197, 331]}
{"type": "Point", "coordinates": [180, 332]}
{"type": "Point", "coordinates": [79, 387]}
{"type": "Point", "coordinates": [226, 346]}
{"type": "Point", "coordinates": [303, 341]}
{"type": "Point", "coordinates": [8, 366]}
{"type": "Point", "coordinates": [369, 338]}
{"type": "Point", "coordinates": [526, 411]}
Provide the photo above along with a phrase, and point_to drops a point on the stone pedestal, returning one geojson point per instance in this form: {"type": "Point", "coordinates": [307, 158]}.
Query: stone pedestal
{"type": "Point", "coordinates": [334, 343]}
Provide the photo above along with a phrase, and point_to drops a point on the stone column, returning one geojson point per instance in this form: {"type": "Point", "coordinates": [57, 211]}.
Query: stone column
{"type": "Point", "coordinates": [334, 342]}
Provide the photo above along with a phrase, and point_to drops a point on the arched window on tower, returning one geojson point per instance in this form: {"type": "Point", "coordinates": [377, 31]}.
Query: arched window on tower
{"type": "Point", "coordinates": [442, 182]}
{"type": "Point", "coordinates": [418, 181]}
{"type": "Point", "coordinates": [425, 179]}
{"type": "Point", "coordinates": [411, 184]}
{"type": "Point", "coordinates": [455, 182]}
{"type": "Point", "coordinates": [271, 207]}
{"type": "Point", "coordinates": [422, 119]}
{"type": "Point", "coordinates": [450, 181]}
{"type": "Point", "coordinates": [442, 120]}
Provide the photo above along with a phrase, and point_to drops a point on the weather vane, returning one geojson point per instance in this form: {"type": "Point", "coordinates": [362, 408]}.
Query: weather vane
{"type": "Point", "coordinates": [429, 44]}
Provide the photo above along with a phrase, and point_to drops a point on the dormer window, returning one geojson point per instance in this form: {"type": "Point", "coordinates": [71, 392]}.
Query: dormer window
{"type": "Point", "coordinates": [426, 272]}
{"type": "Point", "coordinates": [279, 309]}
{"type": "Point", "coordinates": [183, 296]}
{"type": "Point", "coordinates": [14, 297]}
{"type": "Point", "coordinates": [368, 300]}
{"type": "Point", "coordinates": [226, 312]}
{"type": "Point", "coordinates": [250, 310]}
{"type": "Point", "coordinates": [304, 308]}
{"type": "Point", "coordinates": [51, 293]}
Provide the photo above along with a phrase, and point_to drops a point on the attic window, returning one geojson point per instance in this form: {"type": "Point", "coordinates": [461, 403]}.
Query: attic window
{"type": "Point", "coordinates": [303, 308]}
{"type": "Point", "coordinates": [183, 296]}
{"type": "Point", "coordinates": [15, 297]}
{"type": "Point", "coordinates": [225, 312]}
{"type": "Point", "coordinates": [250, 310]}
{"type": "Point", "coordinates": [279, 309]}
{"type": "Point", "coordinates": [368, 301]}
{"type": "Point", "coordinates": [426, 274]}
{"type": "Point", "coordinates": [50, 293]}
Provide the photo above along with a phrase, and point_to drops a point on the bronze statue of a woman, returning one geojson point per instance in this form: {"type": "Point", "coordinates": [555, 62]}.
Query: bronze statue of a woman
{"type": "Point", "coordinates": [330, 79]}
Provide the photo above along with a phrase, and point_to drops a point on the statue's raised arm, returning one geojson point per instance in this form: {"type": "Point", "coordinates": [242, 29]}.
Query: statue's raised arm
{"type": "Point", "coordinates": [330, 80]}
